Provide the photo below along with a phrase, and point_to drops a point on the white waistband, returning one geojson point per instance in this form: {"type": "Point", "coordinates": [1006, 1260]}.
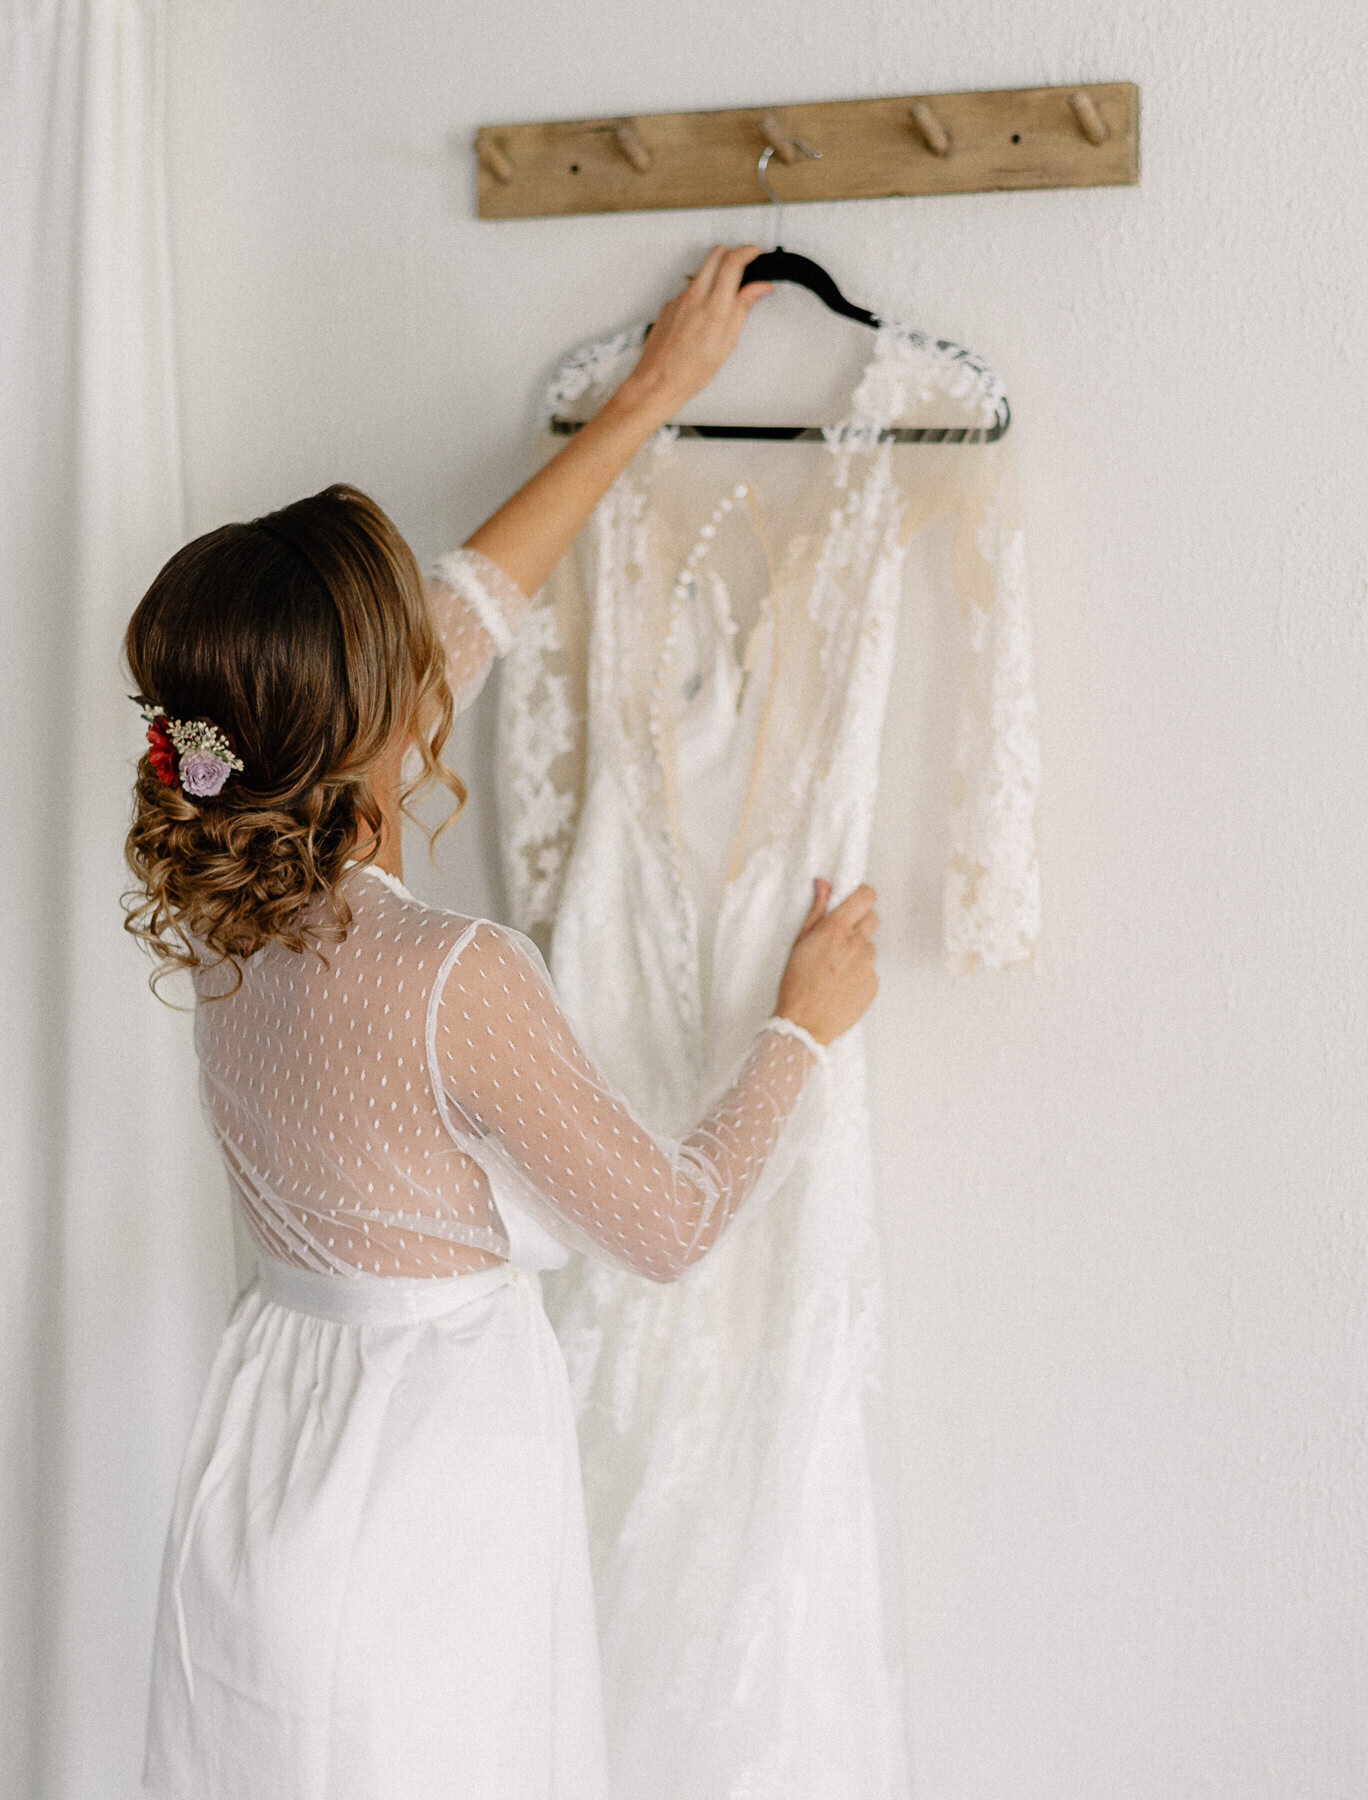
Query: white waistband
{"type": "Point", "coordinates": [378, 1299]}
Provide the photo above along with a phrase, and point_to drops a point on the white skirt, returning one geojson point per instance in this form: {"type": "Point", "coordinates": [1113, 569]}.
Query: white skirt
{"type": "Point", "coordinates": [376, 1583]}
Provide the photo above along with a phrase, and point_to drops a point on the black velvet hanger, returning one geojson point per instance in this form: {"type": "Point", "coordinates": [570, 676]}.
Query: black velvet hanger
{"type": "Point", "coordinates": [786, 265]}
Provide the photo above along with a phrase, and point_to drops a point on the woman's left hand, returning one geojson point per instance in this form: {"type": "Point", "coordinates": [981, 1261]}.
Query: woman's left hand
{"type": "Point", "coordinates": [696, 332]}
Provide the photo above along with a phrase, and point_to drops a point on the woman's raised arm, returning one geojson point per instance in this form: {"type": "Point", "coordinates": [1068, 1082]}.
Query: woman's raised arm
{"type": "Point", "coordinates": [688, 343]}
{"type": "Point", "coordinates": [480, 591]}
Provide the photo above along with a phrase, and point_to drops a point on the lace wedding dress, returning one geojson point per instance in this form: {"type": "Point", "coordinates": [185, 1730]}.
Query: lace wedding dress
{"type": "Point", "coordinates": [376, 1582]}
{"type": "Point", "coordinates": [689, 732]}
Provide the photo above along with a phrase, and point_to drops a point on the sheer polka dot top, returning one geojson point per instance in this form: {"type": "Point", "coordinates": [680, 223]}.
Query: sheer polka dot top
{"type": "Point", "coordinates": [371, 1107]}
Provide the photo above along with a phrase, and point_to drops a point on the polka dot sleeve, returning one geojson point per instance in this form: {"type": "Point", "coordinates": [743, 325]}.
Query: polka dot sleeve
{"type": "Point", "coordinates": [521, 1096]}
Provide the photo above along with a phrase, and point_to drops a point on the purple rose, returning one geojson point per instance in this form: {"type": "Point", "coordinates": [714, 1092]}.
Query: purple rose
{"type": "Point", "coordinates": [202, 773]}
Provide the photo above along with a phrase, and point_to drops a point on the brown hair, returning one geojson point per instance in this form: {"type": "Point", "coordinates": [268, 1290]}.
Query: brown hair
{"type": "Point", "coordinates": [306, 638]}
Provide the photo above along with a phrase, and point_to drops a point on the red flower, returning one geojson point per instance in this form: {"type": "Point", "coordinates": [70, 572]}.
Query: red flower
{"type": "Point", "coordinates": [160, 753]}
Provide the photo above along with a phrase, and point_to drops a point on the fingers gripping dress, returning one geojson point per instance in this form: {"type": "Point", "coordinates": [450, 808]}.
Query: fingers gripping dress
{"type": "Point", "coordinates": [376, 1578]}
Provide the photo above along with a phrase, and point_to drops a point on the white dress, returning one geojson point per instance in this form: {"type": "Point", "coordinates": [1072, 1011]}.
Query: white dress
{"type": "Point", "coordinates": [376, 1582]}
{"type": "Point", "coordinates": [689, 732]}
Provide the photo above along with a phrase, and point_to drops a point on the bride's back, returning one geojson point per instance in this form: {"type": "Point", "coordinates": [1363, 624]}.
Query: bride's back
{"type": "Point", "coordinates": [317, 1081]}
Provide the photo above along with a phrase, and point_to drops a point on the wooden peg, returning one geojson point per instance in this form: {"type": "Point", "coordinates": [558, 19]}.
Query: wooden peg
{"type": "Point", "coordinates": [779, 140]}
{"type": "Point", "coordinates": [1090, 121]}
{"type": "Point", "coordinates": [933, 133]}
{"type": "Point", "coordinates": [494, 157]}
{"type": "Point", "coordinates": [629, 142]}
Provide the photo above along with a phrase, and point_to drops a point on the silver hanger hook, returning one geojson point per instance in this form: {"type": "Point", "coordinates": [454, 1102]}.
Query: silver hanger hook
{"type": "Point", "coordinates": [760, 168]}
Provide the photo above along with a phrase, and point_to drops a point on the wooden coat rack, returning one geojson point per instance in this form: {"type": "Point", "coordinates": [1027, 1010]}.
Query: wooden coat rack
{"type": "Point", "coordinates": [833, 150]}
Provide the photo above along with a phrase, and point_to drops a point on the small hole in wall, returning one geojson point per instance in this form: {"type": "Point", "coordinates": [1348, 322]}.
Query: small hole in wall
{"type": "Point", "coordinates": [574, 168]}
{"type": "Point", "coordinates": [1016, 137]}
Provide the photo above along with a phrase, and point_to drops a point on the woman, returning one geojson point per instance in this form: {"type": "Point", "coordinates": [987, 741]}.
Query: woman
{"type": "Point", "coordinates": [376, 1579]}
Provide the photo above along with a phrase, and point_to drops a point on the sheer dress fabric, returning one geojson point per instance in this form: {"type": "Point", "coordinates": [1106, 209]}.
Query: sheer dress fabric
{"type": "Point", "coordinates": [689, 731]}
{"type": "Point", "coordinates": [777, 571]}
{"type": "Point", "coordinates": [376, 1581]}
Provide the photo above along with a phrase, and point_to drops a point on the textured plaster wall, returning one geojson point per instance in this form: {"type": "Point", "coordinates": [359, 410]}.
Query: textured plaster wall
{"type": "Point", "coordinates": [1123, 1193]}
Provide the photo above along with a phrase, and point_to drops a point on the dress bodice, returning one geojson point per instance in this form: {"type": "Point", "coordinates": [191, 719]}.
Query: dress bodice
{"type": "Point", "coordinates": [775, 571]}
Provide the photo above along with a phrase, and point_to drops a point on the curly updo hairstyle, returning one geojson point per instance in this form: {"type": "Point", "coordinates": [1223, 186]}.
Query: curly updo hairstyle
{"type": "Point", "coordinates": [307, 639]}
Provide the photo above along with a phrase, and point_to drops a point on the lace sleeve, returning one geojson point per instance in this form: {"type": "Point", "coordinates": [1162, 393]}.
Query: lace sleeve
{"type": "Point", "coordinates": [541, 745]}
{"type": "Point", "coordinates": [476, 607]}
{"type": "Point", "coordinates": [517, 1090]}
{"type": "Point", "coordinates": [992, 878]}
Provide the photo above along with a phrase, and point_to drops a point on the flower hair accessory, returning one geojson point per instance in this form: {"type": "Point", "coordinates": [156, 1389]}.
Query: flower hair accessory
{"type": "Point", "coordinates": [205, 755]}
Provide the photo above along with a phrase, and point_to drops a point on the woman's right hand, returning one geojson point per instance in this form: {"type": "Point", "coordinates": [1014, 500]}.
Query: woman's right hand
{"type": "Point", "coordinates": [829, 978]}
{"type": "Point", "coordinates": [690, 340]}
{"type": "Point", "coordinates": [694, 333]}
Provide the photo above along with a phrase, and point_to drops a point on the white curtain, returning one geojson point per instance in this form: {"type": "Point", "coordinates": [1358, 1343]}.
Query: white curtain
{"type": "Point", "coordinates": [117, 1266]}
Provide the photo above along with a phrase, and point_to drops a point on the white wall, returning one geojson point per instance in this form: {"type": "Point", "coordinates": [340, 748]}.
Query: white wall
{"type": "Point", "coordinates": [1125, 1234]}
